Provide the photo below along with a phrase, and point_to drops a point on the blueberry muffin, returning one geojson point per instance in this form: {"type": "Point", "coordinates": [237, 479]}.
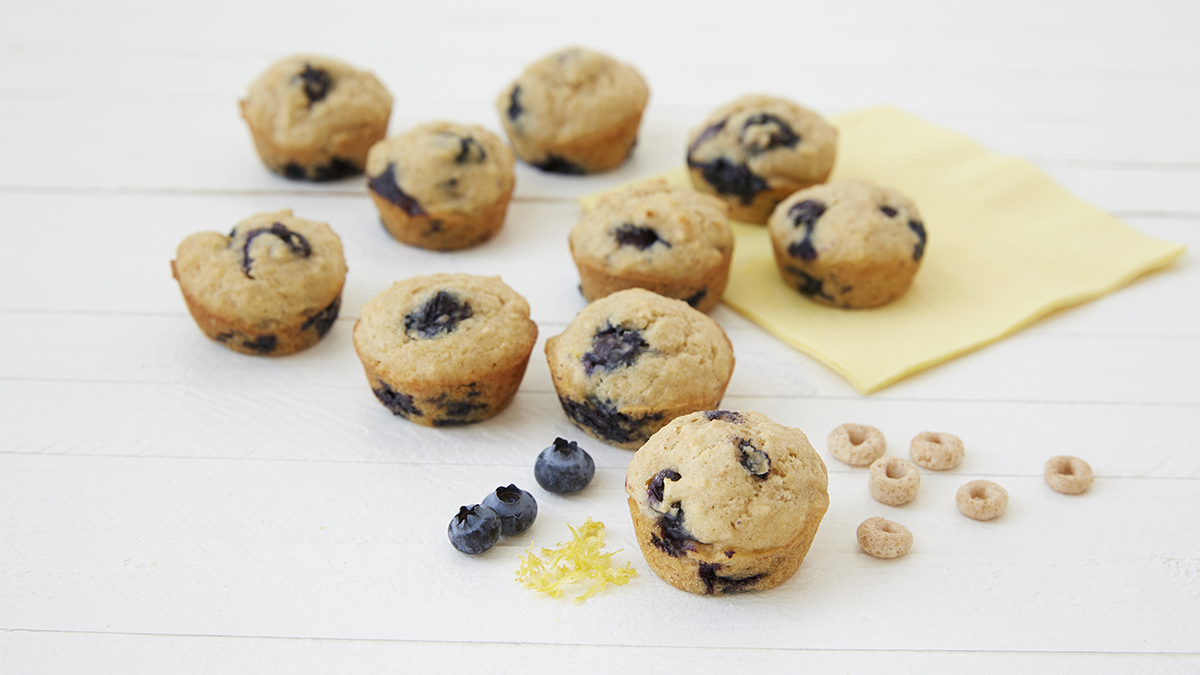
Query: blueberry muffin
{"type": "Point", "coordinates": [757, 150]}
{"type": "Point", "coordinates": [314, 118]}
{"type": "Point", "coordinates": [441, 185]}
{"type": "Point", "coordinates": [272, 286]}
{"type": "Point", "coordinates": [633, 361]}
{"type": "Point", "coordinates": [670, 240]}
{"type": "Point", "coordinates": [445, 349]}
{"type": "Point", "coordinates": [726, 501]}
{"type": "Point", "coordinates": [575, 111]}
{"type": "Point", "coordinates": [849, 243]}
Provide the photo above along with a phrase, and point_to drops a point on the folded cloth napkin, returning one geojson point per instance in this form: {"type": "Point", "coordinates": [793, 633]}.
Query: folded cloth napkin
{"type": "Point", "coordinates": [1007, 245]}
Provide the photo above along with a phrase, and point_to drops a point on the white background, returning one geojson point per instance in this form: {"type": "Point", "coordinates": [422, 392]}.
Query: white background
{"type": "Point", "coordinates": [167, 505]}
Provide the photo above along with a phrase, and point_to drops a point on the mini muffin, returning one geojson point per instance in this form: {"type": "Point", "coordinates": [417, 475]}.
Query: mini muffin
{"type": "Point", "coordinates": [757, 150]}
{"type": "Point", "coordinates": [273, 286]}
{"type": "Point", "coordinates": [445, 349]}
{"type": "Point", "coordinates": [726, 501]}
{"type": "Point", "coordinates": [315, 118]}
{"type": "Point", "coordinates": [849, 243]}
{"type": "Point", "coordinates": [673, 241]}
{"type": "Point", "coordinates": [441, 185]}
{"type": "Point", "coordinates": [575, 111]}
{"type": "Point", "coordinates": [633, 361]}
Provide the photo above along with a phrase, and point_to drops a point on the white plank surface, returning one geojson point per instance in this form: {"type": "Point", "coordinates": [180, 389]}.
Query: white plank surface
{"type": "Point", "coordinates": [169, 506]}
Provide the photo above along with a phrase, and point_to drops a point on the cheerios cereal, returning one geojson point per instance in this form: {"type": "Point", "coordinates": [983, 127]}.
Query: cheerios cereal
{"type": "Point", "coordinates": [894, 481]}
{"type": "Point", "coordinates": [937, 451]}
{"type": "Point", "coordinates": [884, 539]}
{"type": "Point", "coordinates": [1068, 475]}
{"type": "Point", "coordinates": [982, 500]}
{"type": "Point", "coordinates": [857, 444]}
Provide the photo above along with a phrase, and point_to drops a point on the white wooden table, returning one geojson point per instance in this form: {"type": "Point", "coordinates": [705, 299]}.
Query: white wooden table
{"type": "Point", "coordinates": [167, 505]}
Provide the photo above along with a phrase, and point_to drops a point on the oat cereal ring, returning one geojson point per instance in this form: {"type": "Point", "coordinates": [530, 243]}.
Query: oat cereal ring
{"type": "Point", "coordinates": [1068, 475]}
{"type": "Point", "coordinates": [937, 451]}
{"type": "Point", "coordinates": [982, 500]}
{"type": "Point", "coordinates": [884, 539]}
{"type": "Point", "coordinates": [894, 481]}
{"type": "Point", "coordinates": [857, 444]}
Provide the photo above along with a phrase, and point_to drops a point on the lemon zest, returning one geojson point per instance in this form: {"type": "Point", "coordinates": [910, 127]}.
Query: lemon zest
{"type": "Point", "coordinates": [577, 560]}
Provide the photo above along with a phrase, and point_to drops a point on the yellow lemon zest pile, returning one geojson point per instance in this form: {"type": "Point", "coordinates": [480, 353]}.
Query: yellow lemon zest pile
{"type": "Point", "coordinates": [578, 559]}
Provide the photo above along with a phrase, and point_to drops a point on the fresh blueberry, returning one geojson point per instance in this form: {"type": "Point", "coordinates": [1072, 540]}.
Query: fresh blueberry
{"type": "Point", "coordinates": [564, 467]}
{"type": "Point", "coordinates": [517, 509]}
{"type": "Point", "coordinates": [475, 529]}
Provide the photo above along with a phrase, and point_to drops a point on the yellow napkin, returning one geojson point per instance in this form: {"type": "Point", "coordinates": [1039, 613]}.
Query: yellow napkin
{"type": "Point", "coordinates": [1006, 246]}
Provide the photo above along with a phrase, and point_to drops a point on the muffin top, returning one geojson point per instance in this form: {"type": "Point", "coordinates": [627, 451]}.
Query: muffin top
{"type": "Point", "coordinates": [729, 480]}
{"type": "Point", "coordinates": [441, 167]}
{"type": "Point", "coordinates": [654, 228]}
{"type": "Point", "coordinates": [760, 142]}
{"type": "Point", "coordinates": [570, 94]}
{"type": "Point", "coordinates": [301, 100]}
{"type": "Point", "coordinates": [270, 269]}
{"type": "Point", "coordinates": [641, 349]}
{"type": "Point", "coordinates": [428, 327]}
